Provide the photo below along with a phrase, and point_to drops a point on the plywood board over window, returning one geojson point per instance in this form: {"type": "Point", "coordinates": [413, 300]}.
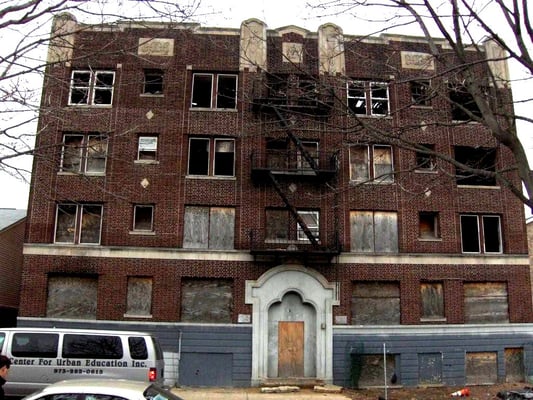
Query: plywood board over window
{"type": "Point", "coordinates": [206, 300]}
{"type": "Point", "coordinates": [139, 299]}
{"type": "Point", "coordinates": [514, 365]}
{"type": "Point", "coordinates": [376, 303]}
{"type": "Point", "coordinates": [481, 368]}
{"type": "Point", "coordinates": [486, 302]}
{"type": "Point", "coordinates": [209, 227]}
{"type": "Point", "coordinates": [72, 297]}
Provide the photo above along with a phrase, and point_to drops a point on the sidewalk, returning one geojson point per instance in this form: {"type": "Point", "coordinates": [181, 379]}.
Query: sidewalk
{"type": "Point", "coordinates": [252, 394]}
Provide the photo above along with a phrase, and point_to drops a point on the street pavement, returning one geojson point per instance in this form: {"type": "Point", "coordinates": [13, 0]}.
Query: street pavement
{"type": "Point", "coordinates": [252, 394]}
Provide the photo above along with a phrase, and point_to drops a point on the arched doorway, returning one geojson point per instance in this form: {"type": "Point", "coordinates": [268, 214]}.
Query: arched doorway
{"type": "Point", "coordinates": [292, 324]}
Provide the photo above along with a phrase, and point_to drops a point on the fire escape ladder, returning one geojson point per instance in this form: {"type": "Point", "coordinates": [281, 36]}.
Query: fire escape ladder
{"type": "Point", "coordinates": [293, 211]}
{"type": "Point", "coordinates": [310, 160]}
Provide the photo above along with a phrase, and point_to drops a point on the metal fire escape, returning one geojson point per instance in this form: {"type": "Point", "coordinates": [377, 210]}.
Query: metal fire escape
{"type": "Point", "coordinates": [319, 167]}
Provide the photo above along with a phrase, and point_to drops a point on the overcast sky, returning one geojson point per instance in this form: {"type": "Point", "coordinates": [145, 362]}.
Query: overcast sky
{"type": "Point", "coordinates": [275, 13]}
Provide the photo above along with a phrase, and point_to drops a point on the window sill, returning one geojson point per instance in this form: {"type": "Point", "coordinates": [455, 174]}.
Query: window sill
{"type": "Point", "coordinates": [371, 182]}
{"type": "Point", "coordinates": [377, 116]}
{"type": "Point", "coordinates": [66, 173]}
{"type": "Point", "coordinates": [421, 107]}
{"type": "Point", "coordinates": [479, 253]}
{"type": "Point", "coordinates": [430, 320]}
{"type": "Point", "coordinates": [478, 187]}
{"type": "Point", "coordinates": [142, 233]}
{"type": "Point", "coordinates": [152, 95]}
{"type": "Point", "coordinates": [138, 316]}
{"type": "Point", "coordinates": [426, 171]}
{"type": "Point", "coordinates": [436, 239]}
{"type": "Point", "coordinates": [71, 244]}
{"type": "Point", "coordinates": [88, 106]}
{"type": "Point", "coordinates": [208, 177]}
{"type": "Point", "coordinates": [146, 162]}
{"type": "Point", "coordinates": [467, 122]}
{"type": "Point", "coordinates": [212, 109]}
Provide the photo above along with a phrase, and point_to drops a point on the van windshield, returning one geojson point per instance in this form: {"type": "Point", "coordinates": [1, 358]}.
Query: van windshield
{"type": "Point", "coordinates": [157, 393]}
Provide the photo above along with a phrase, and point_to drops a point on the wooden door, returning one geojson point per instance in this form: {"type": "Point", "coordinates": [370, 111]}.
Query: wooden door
{"type": "Point", "coordinates": [290, 349]}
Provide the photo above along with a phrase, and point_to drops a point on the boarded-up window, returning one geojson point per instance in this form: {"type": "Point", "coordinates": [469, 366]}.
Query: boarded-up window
{"type": "Point", "coordinates": [481, 368]}
{"type": "Point", "coordinates": [429, 368]}
{"type": "Point", "coordinates": [372, 369]}
{"type": "Point", "coordinates": [432, 301]}
{"type": "Point", "coordinates": [374, 231]}
{"type": "Point", "coordinates": [209, 227]}
{"type": "Point", "coordinates": [139, 301]}
{"type": "Point", "coordinates": [277, 227]}
{"type": "Point", "coordinates": [376, 303]}
{"type": "Point", "coordinates": [72, 297]}
{"type": "Point", "coordinates": [514, 365]}
{"type": "Point", "coordinates": [486, 302]}
{"type": "Point", "coordinates": [206, 300]}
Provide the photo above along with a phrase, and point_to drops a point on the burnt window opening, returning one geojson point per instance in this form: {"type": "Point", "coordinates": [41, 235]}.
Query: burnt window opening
{"type": "Point", "coordinates": [481, 234]}
{"type": "Point", "coordinates": [214, 91]}
{"type": "Point", "coordinates": [143, 217]}
{"type": "Point", "coordinates": [478, 158]}
{"type": "Point", "coordinates": [428, 225]}
{"type": "Point", "coordinates": [211, 157]}
{"type": "Point", "coordinates": [425, 161]}
{"type": "Point", "coordinates": [153, 82]}
{"type": "Point", "coordinates": [371, 163]}
{"type": "Point", "coordinates": [78, 223]}
{"type": "Point", "coordinates": [463, 105]}
{"type": "Point", "coordinates": [432, 304]}
{"type": "Point", "coordinates": [89, 87]}
{"type": "Point", "coordinates": [83, 153]}
{"type": "Point", "coordinates": [421, 93]}
{"type": "Point", "coordinates": [368, 98]}
{"type": "Point", "coordinates": [147, 148]}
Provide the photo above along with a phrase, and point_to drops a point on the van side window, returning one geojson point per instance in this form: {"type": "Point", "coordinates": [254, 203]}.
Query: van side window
{"type": "Point", "coordinates": [43, 345]}
{"type": "Point", "coordinates": [2, 338]}
{"type": "Point", "coordinates": [138, 348]}
{"type": "Point", "coordinates": [92, 346]}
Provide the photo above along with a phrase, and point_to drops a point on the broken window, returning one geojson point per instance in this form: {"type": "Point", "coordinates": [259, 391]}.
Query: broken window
{"type": "Point", "coordinates": [311, 219]}
{"type": "Point", "coordinates": [464, 107]}
{"type": "Point", "coordinates": [83, 153]}
{"type": "Point", "coordinates": [312, 150]}
{"type": "Point", "coordinates": [481, 368]}
{"type": "Point", "coordinates": [425, 161]}
{"type": "Point", "coordinates": [72, 296]}
{"type": "Point", "coordinates": [78, 223]}
{"type": "Point", "coordinates": [371, 163]}
{"type": "Point", "coordinates": [428, 225]}
{"type": "Point", "coordinates": [376, 303]}
{"type": "Point", "coordinates": [206, 300]}
{"type": "Point", "coordinates": [421, 93]}
{"type": "Point", "coordinates": [139, 297]}
{"type": "Point", "coordinates": [214, 91]}
{"type": "Point", "coordinates": [432, 304]}
{"type": "Point", "coordinates": [153, 82]}
{"type": "Point", "coordinates": [209, 227]}
{"type": "Point", "coordinates": [143, 218]}
{"type": "Point", "coordinates": [486, 303]}
{"type": "Point", "coordinates": [211, 157]}
{"type": "Point", "coordinates": [91, 88]}
{"type": "Point", "coordinates": [477, 158]}
{"type": "Point", "coordinates": [481, 234]}
{"type": "Point", "coordinates": [147, 148]}
{"type": "Point", "coordinates": [374, 231]}
{"type": "Point", "coordinates": [368, 98]}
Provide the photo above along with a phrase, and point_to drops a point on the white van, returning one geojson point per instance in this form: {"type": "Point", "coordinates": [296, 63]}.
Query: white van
{"type": "Point", "coordinates": [41, 356]}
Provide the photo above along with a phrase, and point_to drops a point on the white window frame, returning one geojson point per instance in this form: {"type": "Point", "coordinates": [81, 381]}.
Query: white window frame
{"type": "Point", "coordinates": [371, 165]}
{"type": "Point", "coordinates": [214, 90]}
{"type": "Point", "coordinates": [211, 157]}
{"type": "Point", "coordinates": [314, 228]}
{"type": "Point", "coordinates": [481, 234]}
{"type": "Point", "coordinates": [91, 87]}
{"type": "Point", "coordinates": [85, 154]}
{"type": "Point", "coordinates": [78, 223]}
{"type": "Point", "coordinates": [368, 88]}
{"type": "Point", "coordinates": [147, 144]}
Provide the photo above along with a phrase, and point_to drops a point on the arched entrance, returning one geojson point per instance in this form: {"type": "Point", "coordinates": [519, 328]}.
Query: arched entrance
{"type": "Point", "coordinates": [292, 325]}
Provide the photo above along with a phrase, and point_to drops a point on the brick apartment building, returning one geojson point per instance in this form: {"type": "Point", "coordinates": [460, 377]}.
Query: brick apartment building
{"type": "Point", "coordinates": [226, 190]}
